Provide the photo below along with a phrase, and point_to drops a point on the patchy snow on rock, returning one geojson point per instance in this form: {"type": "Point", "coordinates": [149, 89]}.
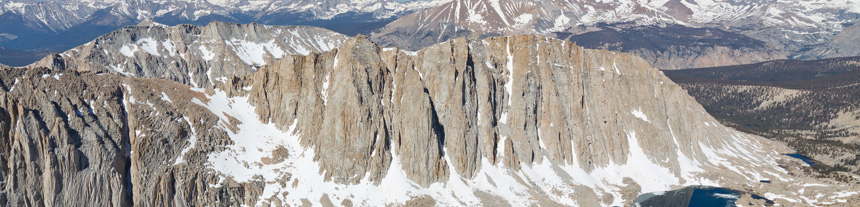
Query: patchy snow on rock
{"type": "Point", "coordinates": [249, 52]}
{"type": "Point", "coordinates": [325, 84]}
{"type": "Point", "coordinates": [55, 76]}
{"type": "Point", "coordinates": [192, 139]}
{"type": "Point", "coordinates": [523, 19]}
{"type": "Point", "coordinates": [168, 45]}
{"type": "Point", "coordinates": [510, 65]}
{"type": "Point", "coordinates": [274, 49]}
{"type": "Point", "coordinates": [299, 48]}
{"type": "Point", "coordinates": [639, 114]}
{"type": "Point", "coordinates": [149, 45]}
{"type": "Point", "coordinates": [649, 175]}
{"type": "Point", "coordinates": [727, 196]}
{"type": "Point", "coordinates": [118, 69]}
{"type": "Point", "coordinates": [128, 91]}
{"type": "Point", "coordinates": [254, 141]}
{"type": "Point", "coordinates": [253, 53]}
{"type": "Point", "coordinates": [165, 97]}
{"type": "Point", "coordinates": [128, 50]}
{"type": "Point", "coordinates": [13, 85]}
{"type": "Point", "coordinates": [688, 167]}
{"type": "Point", "coordinates": [325, 43]}
{"type": "Point", "coordinates": [561, 22]}
{"type": "Point", "coordinates": [205, 53]}
{"type": "Point", "coordinates": [772, 196]}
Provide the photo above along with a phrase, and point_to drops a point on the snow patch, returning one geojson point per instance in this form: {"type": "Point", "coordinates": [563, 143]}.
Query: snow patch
{"type": "Point", "coordinates": [253, 53]}
{"type": "Point", "coordinates": [325, 83]}
{"type": "Point", "coordinates": [639, 114]}
{"type": "Point", "coordinates": [128, 91]}
{"type": "Point", "coordinates": [772, 196]}
{"type": "Point", "coordinates": [13, 85]}
{"type": "Point", "coordinates": [192, 139]}
{"type": "Point", "coordinates": [165, 97]}
{"type": "Point", "coordinates": [523, 19]}
{"type": "Point", "coordinates": [149, 45]}
{"type": "Point", "coordinates": [168, 45]}
{"type": "Point", "coordinates": [128, 50]}
{"type": "Point", "coordinates": [206, 54]}
{"type": "Point", "coordinates": [509, 84]}
{"type": "Point", "coordinates": [560, 23]}
{"type": "Point", "coordinates": [727, 196]}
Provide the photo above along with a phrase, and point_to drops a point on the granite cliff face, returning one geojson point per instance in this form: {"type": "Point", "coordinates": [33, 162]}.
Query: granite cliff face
{"type": "Point", "coordinates": [502, 121]}
{"type": "Point", "coordinates": [193, 55]}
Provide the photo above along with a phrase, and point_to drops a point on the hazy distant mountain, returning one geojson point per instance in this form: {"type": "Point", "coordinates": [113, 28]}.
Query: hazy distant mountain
{"type": "Point", "coordinates": [786, 27]}
{"type": "Point", "coordinates": [844, 44]}
{"type": "Point", "coordinates": [60, 25]}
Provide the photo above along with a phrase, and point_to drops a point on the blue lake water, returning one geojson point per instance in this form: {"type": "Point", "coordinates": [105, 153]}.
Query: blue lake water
{"type": "Point", "coordinates": [805, 159]}
{"type": "Point", "coordinates": [714, 197]}
{"type": "Point", "coordinates": [692, 196]}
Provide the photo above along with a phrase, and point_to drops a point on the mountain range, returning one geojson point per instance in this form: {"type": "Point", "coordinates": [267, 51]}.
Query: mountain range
{"type": "Point", "coordinates": [773, 29]}
{"type": "Point", "coordinates": [519, 120]}
{"type": "Point", "coordinates": [670, 34]}
{"type": "Point", "coordinates": [428, 103]}
{"type": "Point", "coordinates": [37, 26]}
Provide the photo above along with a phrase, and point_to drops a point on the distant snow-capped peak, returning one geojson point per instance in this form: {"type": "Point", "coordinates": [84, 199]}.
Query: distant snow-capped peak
{"type": "Point", "coordinates": [195, 9]}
